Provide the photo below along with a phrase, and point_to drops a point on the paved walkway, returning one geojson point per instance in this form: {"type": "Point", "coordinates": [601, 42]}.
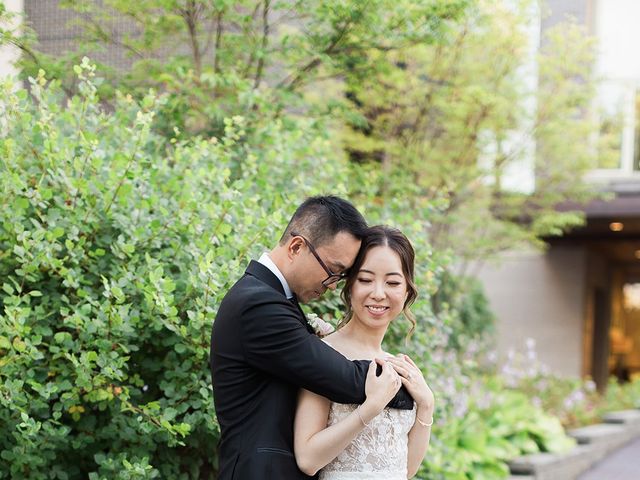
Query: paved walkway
{"type": "Point", "coordinates": [623, 464]}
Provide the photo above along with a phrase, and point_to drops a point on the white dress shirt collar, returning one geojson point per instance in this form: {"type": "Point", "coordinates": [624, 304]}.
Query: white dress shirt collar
{"type": "Point", "coordinates": [265, 260]}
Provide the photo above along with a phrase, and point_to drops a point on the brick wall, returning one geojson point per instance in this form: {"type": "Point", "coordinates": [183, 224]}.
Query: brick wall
{"type": "Point", "coordinates": [59, 31]}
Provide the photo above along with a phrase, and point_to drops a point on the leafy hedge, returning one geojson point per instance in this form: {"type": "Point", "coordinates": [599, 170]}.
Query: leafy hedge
{"type": "Point", "coordinates": [116, 245]}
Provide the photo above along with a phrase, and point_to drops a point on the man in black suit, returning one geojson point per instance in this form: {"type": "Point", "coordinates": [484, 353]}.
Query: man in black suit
{"type": "Point", "coordinates": [263, 351]}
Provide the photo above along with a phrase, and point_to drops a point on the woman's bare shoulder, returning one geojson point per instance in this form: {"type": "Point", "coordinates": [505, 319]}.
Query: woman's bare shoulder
{"type": "Point", "coordinates": [333, 341]}
{"type": "Point", "coordinates": [345, 345]}
{"type": "Point", "coordinates": [339, 344]}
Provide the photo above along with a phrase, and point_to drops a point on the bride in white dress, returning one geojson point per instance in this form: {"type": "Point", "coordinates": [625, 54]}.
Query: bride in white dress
{"type": "Point", "coordinates": [370, 441]}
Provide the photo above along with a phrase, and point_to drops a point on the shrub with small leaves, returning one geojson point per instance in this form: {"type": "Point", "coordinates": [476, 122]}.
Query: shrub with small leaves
{"type": "Point", "coordinates": [116, 246]}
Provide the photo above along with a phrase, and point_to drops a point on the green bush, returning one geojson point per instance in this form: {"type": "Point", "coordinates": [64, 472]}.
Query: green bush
{"type": "Point", "coordinates": [481, 424]}
{"type": "Point", "coordinates": [572, 400]}
{"type": "Point", "coordinates": [116, 246]}
{"type": "Point", "coordinates": [463, 299]}
{"type": "Point", "coordinates": [479, 444]}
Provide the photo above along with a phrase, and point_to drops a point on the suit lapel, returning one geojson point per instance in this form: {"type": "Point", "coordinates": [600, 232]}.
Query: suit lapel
{"type": "Point", "coordinates": [294, 300]}
{"type": "Point", "coordinates": [262, 273]}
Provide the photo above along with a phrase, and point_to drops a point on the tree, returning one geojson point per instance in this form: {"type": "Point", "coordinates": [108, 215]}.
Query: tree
{"type": "Point", "coordinates": [211, 57]}
{"type": "Point", "coordinates": [445, 122]}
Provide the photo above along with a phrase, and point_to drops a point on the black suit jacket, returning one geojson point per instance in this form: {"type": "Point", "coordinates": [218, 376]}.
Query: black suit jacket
{"type": "Point", "coordinates": [262, 353]}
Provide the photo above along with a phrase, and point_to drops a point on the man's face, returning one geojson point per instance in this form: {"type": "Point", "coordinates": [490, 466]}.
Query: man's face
{"type": "Point", "coordinates": [338, 255]}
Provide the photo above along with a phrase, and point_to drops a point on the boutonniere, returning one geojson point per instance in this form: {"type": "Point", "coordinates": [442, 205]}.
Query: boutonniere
{"type": "Point", "coordinates": [319, 326]}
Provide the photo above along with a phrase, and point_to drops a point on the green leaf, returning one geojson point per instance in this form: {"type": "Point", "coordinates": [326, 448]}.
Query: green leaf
{"type": "Point", "coordinates": [224, 229]}
{"type": "Point", "coordinates": [20, 203]}
{"type": "Point", "coordinates": [92, 356]}
{"type": "Point", "coordinates": [58, 232]}
{"type": "Point", "coordinates": [117, 292]}
{"type": "Point", "coordinates": [19, 345]}
{"type": "Point", "coordinates": [169, 414]}
{"type": "Point", "coordinates": [62, 337]}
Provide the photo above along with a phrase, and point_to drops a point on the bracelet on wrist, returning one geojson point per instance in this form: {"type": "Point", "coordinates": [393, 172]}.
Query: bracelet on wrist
{"type": "Point", "coordinates": [360, 416]}
{"type": "Point", "coordinates": [423, 423]}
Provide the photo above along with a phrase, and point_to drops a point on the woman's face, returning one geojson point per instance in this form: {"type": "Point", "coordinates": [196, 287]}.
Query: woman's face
{"type": "Point", "coordinates": [380, 288]}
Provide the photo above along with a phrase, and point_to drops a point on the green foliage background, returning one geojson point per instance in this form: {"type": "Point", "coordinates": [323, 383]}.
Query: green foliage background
{"type": "Point", "coordinates": [116, 246]}
{"type": "Point", "coordinates": [130, 203]}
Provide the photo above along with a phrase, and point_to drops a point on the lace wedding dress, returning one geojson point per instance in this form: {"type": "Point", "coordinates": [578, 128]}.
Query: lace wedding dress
{"type": "Point", "coordinates": [379, 452]}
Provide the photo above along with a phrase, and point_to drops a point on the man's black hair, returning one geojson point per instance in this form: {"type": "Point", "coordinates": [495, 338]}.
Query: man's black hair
{"type": "Point", "coordinates": [321, 218]}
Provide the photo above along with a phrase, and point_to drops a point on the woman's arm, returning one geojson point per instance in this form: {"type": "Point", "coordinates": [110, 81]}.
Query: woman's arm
{"type": "Point", "coordinates": [315, 444]}
{"type": "Point", "coordinates": [419, 437]}
{"type": "Point", "coordinates": [420, 433]}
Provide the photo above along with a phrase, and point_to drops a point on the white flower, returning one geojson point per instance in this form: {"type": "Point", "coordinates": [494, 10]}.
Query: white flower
{"type": "Point", "coordinates": [319, 326]}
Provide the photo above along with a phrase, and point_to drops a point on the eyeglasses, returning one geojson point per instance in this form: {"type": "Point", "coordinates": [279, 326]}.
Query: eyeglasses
{"type": "Point", "coordinates": [332, 277]}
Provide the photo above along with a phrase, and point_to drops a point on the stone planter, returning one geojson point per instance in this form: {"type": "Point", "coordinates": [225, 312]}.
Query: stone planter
{"type": "Point", "coordinates": [594, 443]}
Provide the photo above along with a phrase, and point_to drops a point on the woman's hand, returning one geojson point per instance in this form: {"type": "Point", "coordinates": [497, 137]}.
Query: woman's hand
{"type": "Point", "coordinates": [420, 433]}
{"type": "Point", "coordinates": [414, 381]}
{"type": "Point", "coordinates": [379, 389]}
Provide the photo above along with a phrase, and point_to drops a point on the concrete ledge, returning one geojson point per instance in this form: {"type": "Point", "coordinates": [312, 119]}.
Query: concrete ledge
{"type": "Point", "coordinates": [607, 436]}
{"type": "Point", "coordinates": [624, 416]}
{"type": "Point", "coordinates": [594, 443]}
{"type": "Point", "coordinates": [555, 466]}
{"type": "Point", "coordinates": [620, 428]}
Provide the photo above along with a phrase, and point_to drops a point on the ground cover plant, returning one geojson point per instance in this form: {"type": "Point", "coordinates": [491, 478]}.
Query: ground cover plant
{"type": "Point", "coordinates": [576, 402]}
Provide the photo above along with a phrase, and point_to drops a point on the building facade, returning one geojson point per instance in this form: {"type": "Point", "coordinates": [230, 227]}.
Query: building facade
{"type": "Point", "coordinates": [580, 299]}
